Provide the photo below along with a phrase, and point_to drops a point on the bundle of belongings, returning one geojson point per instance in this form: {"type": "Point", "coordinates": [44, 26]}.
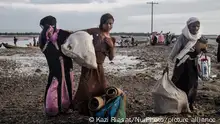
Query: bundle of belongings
{"type": "Point", "coordinates": [79, 47]}
{"type": "Point", "coordinates": [218, 50]}
{"type": "Point", "coordinates": [203, 61]}
{"type": "Point", "coordinates": [110, 106]}
{"type": "Point", "coordinates": [204, 67]}
{"type": "Point", "coordinates": [168, 99]}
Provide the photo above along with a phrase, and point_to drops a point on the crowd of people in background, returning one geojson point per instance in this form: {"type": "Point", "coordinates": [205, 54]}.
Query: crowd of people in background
{"type": "Point", "coordinates": [35, 42]}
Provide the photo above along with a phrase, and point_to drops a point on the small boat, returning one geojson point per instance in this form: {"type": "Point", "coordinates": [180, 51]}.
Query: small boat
{"type": "Point", "coordinates": [31, 46]}
{"type": "Point", "coordinates": [8, 46]}
{"type": "Point", "coordinates": [1, 45]}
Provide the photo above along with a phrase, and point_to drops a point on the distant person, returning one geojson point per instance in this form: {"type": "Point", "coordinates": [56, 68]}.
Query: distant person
{"type": "Point", "coordinates": [185, 75]}
{"type": "Point", "coordinates": [218, 59]}
{"type": "Point", "coordinates": [15, 41]}
{"type": "Point", "coordinates": [38, 42]}
{"type": "Point", "coordinates": [132, 41]}
{"type": "Point", "coordinates": [161, 37]}
{"type": "Point", "coordinates": [218, 51]}
{"type": "Point", "coordinates": [168, 38]}
{"type": "Point", "coordinates": [34, 40]}
{"type": "Point", "coordinates": [154, 39]}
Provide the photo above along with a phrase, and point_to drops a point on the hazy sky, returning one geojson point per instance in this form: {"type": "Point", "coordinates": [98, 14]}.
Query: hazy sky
{"type": "Point", "coordinates": [130, 15]}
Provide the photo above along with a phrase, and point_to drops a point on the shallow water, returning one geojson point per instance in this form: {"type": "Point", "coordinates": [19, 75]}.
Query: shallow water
{"type": "Point", "coordinates": [123, 65]}
{"type": "Point", "coordinates": [20, 43]}
{"type": "Point", "coordinates": [27, 65]}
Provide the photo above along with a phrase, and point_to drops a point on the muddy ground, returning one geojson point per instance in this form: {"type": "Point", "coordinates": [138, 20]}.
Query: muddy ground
{"type": "Point", "coordinates": [22, 90]}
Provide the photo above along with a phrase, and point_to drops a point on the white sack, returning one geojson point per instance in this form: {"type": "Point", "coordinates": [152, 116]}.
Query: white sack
{"type": "Point", "coordinates": [168, 98]}
{"type": "Point", "coordinates": [79, 47]}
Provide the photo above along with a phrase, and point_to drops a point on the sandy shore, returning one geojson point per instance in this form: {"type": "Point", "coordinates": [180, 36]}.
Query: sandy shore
{"type": "Point", "coordinates": [23, 75]}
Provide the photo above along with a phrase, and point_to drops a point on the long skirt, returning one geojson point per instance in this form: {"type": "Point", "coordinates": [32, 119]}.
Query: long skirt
{"type": "Point", "coordinates": [92, 83]}
{"type": "Point", "coordinates": [185, 77]}
{"type": "Point", "coordinates": [218, 53]}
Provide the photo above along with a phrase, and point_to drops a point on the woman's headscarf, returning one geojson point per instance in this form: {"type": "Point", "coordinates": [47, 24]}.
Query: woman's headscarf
{"type": "Point", "coordinates": [48, 20]}
{"type": "Point", "coordinates": [48, 24]}
{"type": "Point", "coordinates": [105, 18]}
{"type": "Point", "coordinates": [182, 55]}
{"type": "Point", "coordinates": [218, 39]}
{"type": "Point", "coordinates": [186, 32]}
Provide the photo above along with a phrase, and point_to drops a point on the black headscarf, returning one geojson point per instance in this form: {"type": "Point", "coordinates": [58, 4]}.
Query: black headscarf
{"type": "Point", "coordinates": [48, 20]}
{"type": "Point", "coordinates": [105, 18]}
{"type": "Point", "coordinates": [45, 23]}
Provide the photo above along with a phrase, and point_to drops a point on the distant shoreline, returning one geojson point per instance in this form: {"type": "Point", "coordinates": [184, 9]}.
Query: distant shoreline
{"type": "Point", "coordinates": [113, 34]}
{"type": "Point", "coordinates": [19, 35]}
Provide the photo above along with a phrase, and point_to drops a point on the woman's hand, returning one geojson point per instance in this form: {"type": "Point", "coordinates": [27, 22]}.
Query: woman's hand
{"type": "Point", "coordinates": [110, 42]}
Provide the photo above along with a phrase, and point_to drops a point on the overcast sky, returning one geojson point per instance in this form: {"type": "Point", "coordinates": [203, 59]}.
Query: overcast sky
{"type": "Point", "coordinates": [130, 15]}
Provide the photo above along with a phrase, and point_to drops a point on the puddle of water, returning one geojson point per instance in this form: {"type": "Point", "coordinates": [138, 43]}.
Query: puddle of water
{"type": "Point", "coordinates": [20, 43]}
{"type": "Point", "coordinates": [28, 65]}
{"type": "Point", "coordinates": [127, 65]}
{"type": "Point", "coordinates": [121, 65]}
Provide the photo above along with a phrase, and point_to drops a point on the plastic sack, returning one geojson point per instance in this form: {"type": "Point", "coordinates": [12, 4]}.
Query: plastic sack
{"type": "Point", "coordinates": [168, 99]}
{"type": "Point", "coordinates": [79, 47]}
{"type": "Point", "coordinates": [51, 103]}
{"type": "Point", "coordinates": [204, 67]}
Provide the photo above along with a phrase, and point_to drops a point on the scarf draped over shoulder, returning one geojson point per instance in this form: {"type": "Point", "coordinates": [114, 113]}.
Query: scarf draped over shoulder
{"type": "Point", "coordinates": [185, 42]}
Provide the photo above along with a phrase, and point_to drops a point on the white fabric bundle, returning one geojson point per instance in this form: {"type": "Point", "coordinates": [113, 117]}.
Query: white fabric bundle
{"type": "Point", "coordinates": [79, 47]}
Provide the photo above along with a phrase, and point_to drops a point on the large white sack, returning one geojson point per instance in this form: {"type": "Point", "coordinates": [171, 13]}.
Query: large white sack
{"type": "Point", "coordinates": [79, 47]}
{"type": "Point", "coordinates": [168, 98]}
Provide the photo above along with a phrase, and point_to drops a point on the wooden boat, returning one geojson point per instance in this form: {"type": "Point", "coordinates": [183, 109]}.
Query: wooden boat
{"type": "Point", "coordinates": [8, 46]}
{"type": "Point", "coordinates": [33, 47]}
{"type": "Point", "coordinates": [30, 46]}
